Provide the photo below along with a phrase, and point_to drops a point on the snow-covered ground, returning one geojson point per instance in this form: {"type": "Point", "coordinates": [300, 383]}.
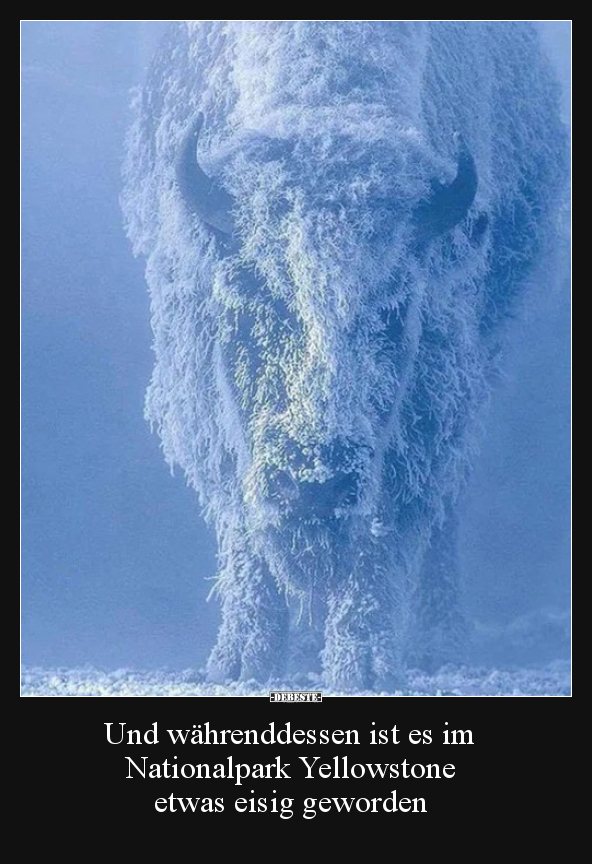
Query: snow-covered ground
{"type": "Point", "coordinates": [552, 679]}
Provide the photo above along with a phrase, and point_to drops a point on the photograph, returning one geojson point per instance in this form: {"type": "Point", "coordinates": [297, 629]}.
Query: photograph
{"type": "Point", "coordinates": [296, 358]}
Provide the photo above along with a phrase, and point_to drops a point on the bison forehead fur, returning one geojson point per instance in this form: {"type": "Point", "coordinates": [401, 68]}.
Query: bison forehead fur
{"type": "Point", "coordinates": [337, 217]}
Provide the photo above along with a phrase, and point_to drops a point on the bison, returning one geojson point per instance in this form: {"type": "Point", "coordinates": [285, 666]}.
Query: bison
{"type": "Point", "coordinates": [338, 217]}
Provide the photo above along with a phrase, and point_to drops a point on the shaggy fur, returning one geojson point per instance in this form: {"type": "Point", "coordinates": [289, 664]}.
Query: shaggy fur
{"type": "Point", "coordinates": [325, 313]}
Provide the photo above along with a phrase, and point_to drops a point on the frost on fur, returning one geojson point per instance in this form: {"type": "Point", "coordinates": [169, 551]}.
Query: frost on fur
{"type": "Point", "coordinates": [337, 218]}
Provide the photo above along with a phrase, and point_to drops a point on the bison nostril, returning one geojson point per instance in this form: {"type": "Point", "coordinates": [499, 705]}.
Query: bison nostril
{"type": "Point", "coordinates": [281, 486]}
{"type": "Point", "coordinates": [346, 489]}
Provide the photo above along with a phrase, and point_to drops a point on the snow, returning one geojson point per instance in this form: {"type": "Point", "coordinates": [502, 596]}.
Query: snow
{"type": "Point", "coordinates": [552, 679]}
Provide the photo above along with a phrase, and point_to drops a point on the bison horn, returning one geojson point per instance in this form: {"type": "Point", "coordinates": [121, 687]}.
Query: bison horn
{"type": "Point", "coordinates": [448, 205]}
{"type": "Point", "coordinates": [206, 197]}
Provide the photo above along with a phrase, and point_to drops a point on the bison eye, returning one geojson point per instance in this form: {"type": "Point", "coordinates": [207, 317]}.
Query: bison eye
{"type": "Point", "coordinates": [393, 321]}
{"type": "Point", "coordinates": [478, 229]}
{"type": "Point", "coordinates": [448, 205]}
{"type": "Point", "coordinates": [203, 194]}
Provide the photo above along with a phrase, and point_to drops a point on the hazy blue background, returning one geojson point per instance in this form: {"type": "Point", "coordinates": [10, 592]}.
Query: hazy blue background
{"type": "Point", "coordinates": [115, 555]}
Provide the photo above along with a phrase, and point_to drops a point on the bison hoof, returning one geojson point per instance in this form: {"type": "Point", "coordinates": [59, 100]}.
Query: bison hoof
{"type": "Point", "coordinates": [389, 682]}
{"type": "Point", "coordinates": [260, 667]}
{"type": "Point", "coordinates": [250, 666]}
{"type": "Point", "coordinates": [218, 675]}
{"type": "Point", "coordinates": [223, 667]}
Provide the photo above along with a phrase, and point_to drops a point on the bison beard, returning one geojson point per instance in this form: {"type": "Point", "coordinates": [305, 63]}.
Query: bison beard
{"type": "Point", "coordinates": [337, 218]}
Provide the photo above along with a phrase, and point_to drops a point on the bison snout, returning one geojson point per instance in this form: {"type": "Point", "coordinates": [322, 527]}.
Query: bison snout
{"type": "Point", "coordinates": [307, 498]}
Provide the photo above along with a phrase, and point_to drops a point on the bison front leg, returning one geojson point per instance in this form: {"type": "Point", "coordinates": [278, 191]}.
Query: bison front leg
{"type": "Point", "coordinates": [252, 639]}
{"type": "Point", "coordinates": [361, 648]}
{"type": "Point", "coordinates": [439, 630]}
{"type": "Point", "coordinates": [307, 631]}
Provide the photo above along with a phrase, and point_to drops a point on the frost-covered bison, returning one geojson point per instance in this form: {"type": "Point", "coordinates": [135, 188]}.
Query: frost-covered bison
{"type": "Point", "coordinates": [337, 217]}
